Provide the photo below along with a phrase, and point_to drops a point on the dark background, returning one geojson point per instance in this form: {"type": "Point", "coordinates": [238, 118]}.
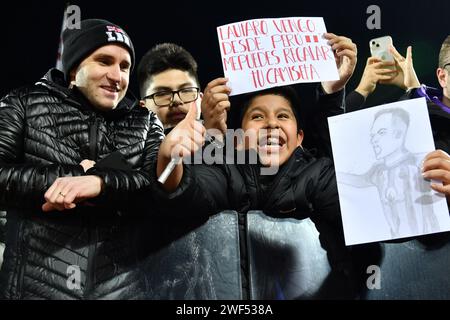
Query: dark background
{"type": "Point", "coordinates": [30, 31]}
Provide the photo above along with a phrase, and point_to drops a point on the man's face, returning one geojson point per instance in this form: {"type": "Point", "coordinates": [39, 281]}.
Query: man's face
{"type": "Point", "coordinates": [271, 118]}
{"type": "Point", "coordinates": [103, 76]}
{"type": "Point", "coordinates": [443, 75]}
{"type": "Point", "coordinates": [170, 80]}
{"type": "Point", "coordinates": [385, 138]}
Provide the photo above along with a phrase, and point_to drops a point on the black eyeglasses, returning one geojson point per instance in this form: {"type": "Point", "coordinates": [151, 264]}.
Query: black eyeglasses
{"type": "Point", "coordinates": [446, 65]}
{"type": "Point", "coordinates": [165, 98]}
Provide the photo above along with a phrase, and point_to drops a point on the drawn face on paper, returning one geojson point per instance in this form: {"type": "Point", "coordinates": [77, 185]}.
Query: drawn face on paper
{"type": "Point", "coordinates": [272, 119]}
{"type": "Point", "coordinates": [387, 136]}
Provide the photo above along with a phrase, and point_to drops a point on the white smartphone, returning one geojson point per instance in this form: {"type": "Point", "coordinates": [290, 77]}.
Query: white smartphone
{"type": "Point", "coordinates": [379, 48]}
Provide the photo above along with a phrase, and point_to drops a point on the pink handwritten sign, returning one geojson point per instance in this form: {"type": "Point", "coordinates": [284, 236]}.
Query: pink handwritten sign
{"type": "Point", "coordinates": [264, 53]}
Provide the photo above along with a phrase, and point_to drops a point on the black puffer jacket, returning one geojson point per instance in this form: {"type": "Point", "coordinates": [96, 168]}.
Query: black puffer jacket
{"type": "Point", "coordinates": [47, 130]}
{"type": "Point", "coordinates": [304, 187]}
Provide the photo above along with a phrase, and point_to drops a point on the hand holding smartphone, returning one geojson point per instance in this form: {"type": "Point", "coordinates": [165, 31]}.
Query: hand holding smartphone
{"type": "Point", "coordinates": [380, 48]}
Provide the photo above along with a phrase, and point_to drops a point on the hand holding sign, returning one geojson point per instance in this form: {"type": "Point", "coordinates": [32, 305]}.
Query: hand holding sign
{"type": "Point", "coordinates": [215, 104]}
{"type": "Point", "coordinates": [345, 54]}
{"type": "Point", "coordinates": [436, 166]}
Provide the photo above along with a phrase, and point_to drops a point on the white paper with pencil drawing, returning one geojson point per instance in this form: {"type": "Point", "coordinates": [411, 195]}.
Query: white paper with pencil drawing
{"type": "Point", "coordinates": [378, 154]}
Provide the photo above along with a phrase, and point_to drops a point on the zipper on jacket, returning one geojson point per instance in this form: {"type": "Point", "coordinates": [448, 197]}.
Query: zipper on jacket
{"type": "Point", "coordinates": [244, 267]}
{"type": "Point", "coordinates": [23, 254]}
{"type": "Point", "coordinates": [93, 235]}
{"type": "Point", "coordinates": [259, 194]}
{"type": "Point", "coordinates": [90, 272]}
{"type": "Point", "coordinates": [93, 139]}
{"type": "Point", "coordinates": [244, 241]}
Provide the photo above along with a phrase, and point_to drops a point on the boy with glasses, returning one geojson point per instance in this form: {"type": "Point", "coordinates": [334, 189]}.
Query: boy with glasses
{"type": "Point", "coordinates": [169, 84]}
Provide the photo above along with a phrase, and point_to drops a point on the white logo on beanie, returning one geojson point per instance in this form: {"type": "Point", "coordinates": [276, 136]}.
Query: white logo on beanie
{"type": "Point", "coordinates": [116, 34]}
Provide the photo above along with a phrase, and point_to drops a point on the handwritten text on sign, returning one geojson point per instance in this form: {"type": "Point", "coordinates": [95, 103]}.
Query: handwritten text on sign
{"type": "Point", "coordinates": [264, 53]}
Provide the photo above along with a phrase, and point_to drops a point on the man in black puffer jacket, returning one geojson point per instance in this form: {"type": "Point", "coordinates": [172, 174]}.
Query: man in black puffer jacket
{"type": "Point", "coordinates": [53, 133]}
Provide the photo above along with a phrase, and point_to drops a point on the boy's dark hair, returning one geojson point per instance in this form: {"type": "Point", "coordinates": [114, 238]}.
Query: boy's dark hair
{"type": "Point", "coordinates": [444, 54]}
{"type": "Point", "coordinates": [243, 102]}
{"type": "Point", "coordinates": [163, 57]}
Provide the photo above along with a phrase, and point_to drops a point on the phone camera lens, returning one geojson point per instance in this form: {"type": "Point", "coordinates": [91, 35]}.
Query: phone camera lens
{"type": "Point", "coordinates": [378, 45]}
